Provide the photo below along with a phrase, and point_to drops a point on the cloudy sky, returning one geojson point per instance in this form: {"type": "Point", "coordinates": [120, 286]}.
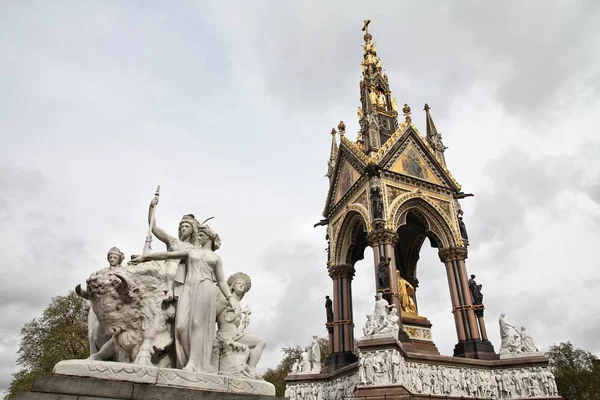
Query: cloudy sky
{"type": "Point", "coordinates": [228, 106]}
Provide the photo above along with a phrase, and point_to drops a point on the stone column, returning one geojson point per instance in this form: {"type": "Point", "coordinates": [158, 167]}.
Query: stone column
{"type": "Point", "coordinates": [471, 343]}
{"type": "Point", "coordinates": [482, 327]}
{"type": "Point", "coordinates": [456, 311]}
{"type": "Point", "coordinates": [336, 313]}
{"type": "Point", "coordinates": [376, 256]}
{"type": "Point", "coordinates": [343, 326]}
{"type": "Point", "coordinates": [462, 269]}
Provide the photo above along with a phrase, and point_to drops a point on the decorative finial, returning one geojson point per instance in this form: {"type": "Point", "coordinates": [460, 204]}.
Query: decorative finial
{"type": "Point", "coordinates": [406, 111]}
{"type": "Point", "coordinates": [333, 132]}
{"type": "Point", "coordinates": [366, 26]}
{"type": "Point", "coordinates": [365, 29]}
{"type": "Point", "coordinates": [426, 108]}
{"type": "Point", "coordinates": [342, 128]}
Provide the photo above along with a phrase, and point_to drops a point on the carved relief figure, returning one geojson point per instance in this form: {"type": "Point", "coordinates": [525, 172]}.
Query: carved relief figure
{"type": "Point", "coordinates": [196, 309]}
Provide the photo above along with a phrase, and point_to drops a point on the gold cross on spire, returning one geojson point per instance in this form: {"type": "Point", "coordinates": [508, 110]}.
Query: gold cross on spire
{"type": "Point", "coordinates": [366, 26]}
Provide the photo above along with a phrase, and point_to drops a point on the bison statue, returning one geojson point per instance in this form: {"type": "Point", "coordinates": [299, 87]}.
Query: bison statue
{"type": "Point", "coordinates": [131, 307]}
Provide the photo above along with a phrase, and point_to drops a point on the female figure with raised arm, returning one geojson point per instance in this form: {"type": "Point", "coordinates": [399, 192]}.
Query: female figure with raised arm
{"type": "Point", "coordinates": [174, 272]}
{"type": "Point", "coordinates": [195, 314]}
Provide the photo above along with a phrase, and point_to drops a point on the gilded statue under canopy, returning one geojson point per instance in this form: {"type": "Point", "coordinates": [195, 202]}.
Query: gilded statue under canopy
{"type": "Point", "coordinates": [406, 291]}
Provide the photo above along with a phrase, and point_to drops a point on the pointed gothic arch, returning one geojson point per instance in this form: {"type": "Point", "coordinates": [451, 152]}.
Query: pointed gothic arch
{"type": "Point", "coordinates": [351, 238]}
{"type": "Point", "coordinates": [438, 225]}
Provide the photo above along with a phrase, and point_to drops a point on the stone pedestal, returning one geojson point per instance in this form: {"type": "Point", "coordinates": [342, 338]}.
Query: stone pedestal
{"type": "Point", "coordinates": [59, 387]}
{"type": "Point", "coordinates": [418, 329]}
{"type": "Point", "coordinates": [106, 374]}
{"type": "Point", "coordinates": [479, 349]}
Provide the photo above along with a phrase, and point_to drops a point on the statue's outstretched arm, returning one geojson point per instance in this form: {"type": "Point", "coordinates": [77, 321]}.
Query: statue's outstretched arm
{"type": "Point", "coordinates": [158, 232]}
{"type": "Point", "coordinates": [160, 255]}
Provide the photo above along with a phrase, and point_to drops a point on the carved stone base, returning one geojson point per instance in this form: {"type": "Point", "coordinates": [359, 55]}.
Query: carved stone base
{"type": "Point", "coordinates": [162, 376]}
{"type": "Point", "coordinates": [59, 387]}
{"type": "Point", "coordinates": [419, 331]}
{"type": "Point", "coordinates": [480, 349]}
{"type": "Point", "coordinates": [521, 355]}
{"type": "Point", "coordinates": [386, 392]}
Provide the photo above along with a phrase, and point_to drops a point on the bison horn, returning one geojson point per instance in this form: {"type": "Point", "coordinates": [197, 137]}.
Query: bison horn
{"type": "Point", "coordinates": [82, 293]}
{"type": "Point", "coordinates": [124, 285]}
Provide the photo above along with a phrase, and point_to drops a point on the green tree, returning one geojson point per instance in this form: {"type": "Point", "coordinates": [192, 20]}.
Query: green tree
{"type": "Point", "coordinates": [60, 334]}
{"type": "Point", "coordinates": [290, 354]}
{"type": "Point", "coordinates": [577, 372]}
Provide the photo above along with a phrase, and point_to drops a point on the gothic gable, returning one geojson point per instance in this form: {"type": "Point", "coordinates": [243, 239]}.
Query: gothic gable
{"type": "Point", "coordinates": [348, 170]}
{"type": "Point", "coordinates": [411, 156]}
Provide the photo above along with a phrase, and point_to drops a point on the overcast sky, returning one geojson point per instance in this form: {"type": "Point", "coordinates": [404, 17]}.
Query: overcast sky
{"type": "Point", "coordinates": [228, 106]}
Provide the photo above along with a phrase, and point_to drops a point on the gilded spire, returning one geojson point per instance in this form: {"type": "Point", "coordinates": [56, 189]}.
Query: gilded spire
{"type": "Point", "coordinates": [378, 113]}
{"type": "Point", "coordinates": [433, 137]}
{"type": "Point", "coordinates": [333, 153]}
{"type": "Point", "coordinates": [371, 63]}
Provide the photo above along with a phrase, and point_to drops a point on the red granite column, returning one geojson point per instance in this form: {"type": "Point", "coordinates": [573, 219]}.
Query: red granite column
{"type": "Point", "coordinates": [484, 335]}
{"type": "Point", "coordinates": [336, 316]}
{"type": "Point", "coordinates": [462, 272]}
{"type": "Point", "coordinates": [376, 256]}
{"type": "Point", "coordinates": [458, 320]}
{"type": "Point", "coordinates": [343, 333]}
{"type": "Point", "coordinates": [347, 317]}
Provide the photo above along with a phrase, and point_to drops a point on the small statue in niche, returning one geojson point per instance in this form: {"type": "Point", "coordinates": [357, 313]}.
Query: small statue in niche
{"type": "Point", "coordinates": [377, 202]}
{"type": "Point", "coordinates": [384, 272]}
{"type": "Point", "coordinates": [329, 309]}
{"type": "Point", "coordinates": [475, 291]}
{"type": "Point", "coordinates": [381, 101]}
{"type": "Point", "coordinates": [462, 227]}
{"type": "Point", "coordinates": [373, 96]}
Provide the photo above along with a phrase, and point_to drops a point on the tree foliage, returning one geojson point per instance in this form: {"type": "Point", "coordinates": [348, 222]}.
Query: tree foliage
{"type": "Point", "coordinates": [290, 354]}
{"type": "Point", "coordinates": [577, 372]}
{"type": "Point", "coordinates": [60, 334]}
